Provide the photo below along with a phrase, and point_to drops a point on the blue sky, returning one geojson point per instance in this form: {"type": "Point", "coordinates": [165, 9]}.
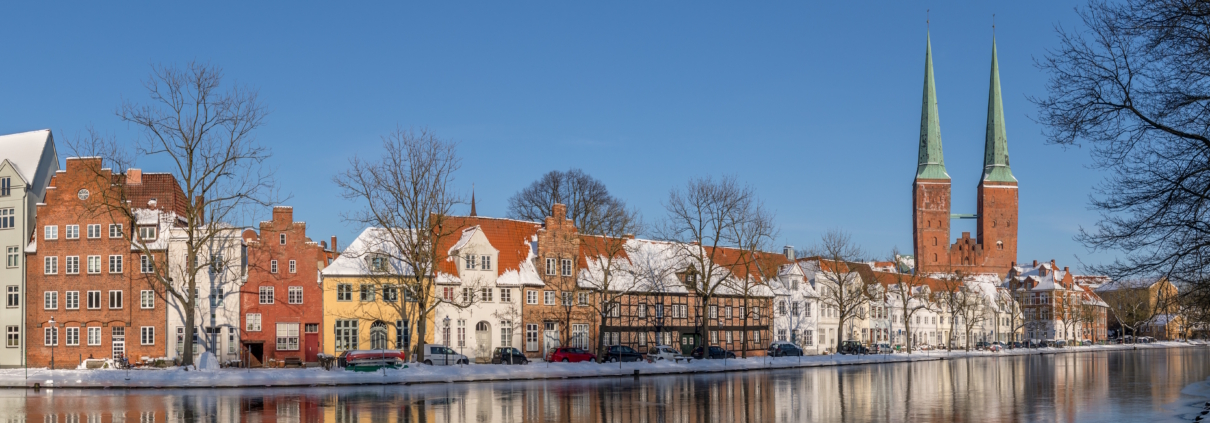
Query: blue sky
{"type": "Point", "coordinates": [815, 105]}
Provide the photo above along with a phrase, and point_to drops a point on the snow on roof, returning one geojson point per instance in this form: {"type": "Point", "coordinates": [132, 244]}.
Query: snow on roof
{"type": "Point", "coordinates": [24, 151]}
{"type": "Point", "coordinates": [355, 260]}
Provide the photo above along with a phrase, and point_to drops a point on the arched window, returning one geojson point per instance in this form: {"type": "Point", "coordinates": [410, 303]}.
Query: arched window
{"type": "Point", "coordinates": [994, 223]}
{"type": "Point", "coordinates": [482, 326]}
{"type": "Point", "coordinates": [378, 336]}
{"type": "Point", "coordinates": [1000, 245]}
{"type": "Point", "coordinates": [934, 257]}
{"type": "Point", "coordinates": [934, 241]}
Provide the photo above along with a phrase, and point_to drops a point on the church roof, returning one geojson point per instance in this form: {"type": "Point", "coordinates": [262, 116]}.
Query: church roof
{"type": "Point", "coordinates": [932, 163]}
{"type": "Point", "coordinates": [995, 148]}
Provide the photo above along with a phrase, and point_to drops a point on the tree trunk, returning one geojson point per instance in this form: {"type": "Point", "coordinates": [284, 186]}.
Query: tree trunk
{"type": "Point", "coordinates": [907, 333]}
{"type": "Point", "coordinates": [840, 332]}
{"type": "Point", "coordinates": [190, 322]}
{"type": "Point", "coordinates": [743, 336]}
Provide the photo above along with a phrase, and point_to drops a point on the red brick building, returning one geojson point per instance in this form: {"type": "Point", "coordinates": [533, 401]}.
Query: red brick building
{"type": "Point", "coordinates": [281, 304]}
{"type": "Point", "coordinates": [84, 273]}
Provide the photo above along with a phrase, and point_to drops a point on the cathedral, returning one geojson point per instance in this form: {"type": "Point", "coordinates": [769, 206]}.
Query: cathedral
{"type": "Point", "coordinates": [994, 247]}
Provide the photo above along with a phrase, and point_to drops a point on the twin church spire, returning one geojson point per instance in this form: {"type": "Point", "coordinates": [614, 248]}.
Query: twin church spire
{"type": "Point", "coordinates": [931, 164]}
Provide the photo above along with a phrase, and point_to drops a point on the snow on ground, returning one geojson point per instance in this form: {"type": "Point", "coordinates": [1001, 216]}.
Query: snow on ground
{"type": "Point", "coordinates": [180, 378]}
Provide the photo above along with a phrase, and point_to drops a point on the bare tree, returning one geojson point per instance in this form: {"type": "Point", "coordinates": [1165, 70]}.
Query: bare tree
{"type": "Point", "coordinates": [1132, 84]}
{"type": "Point", "coordinates": [1130, 303]}
{"type": "Point", "coordinates": [407, 192]}
{"type": "Point", "coordinates": [610, 274]}
{"type": "Point", "coordinates": [699, 222]}
{"type": "Point", "coordinates": [842, 289]}
{"type": "Point", "coordinates": [586, 198]}
{"type": "Point", "coordinates": [910, 294]}
{"type": "Point", "coordinates": [654, 268]}
{"type": "Point", "coordinates": [752, 268]}
{"type": "Point", "coordinates": [204, 129]}
{"type": "Point", "coordinates": [951, 299]}
{"type": "Point", "coordinates": [972, 311]}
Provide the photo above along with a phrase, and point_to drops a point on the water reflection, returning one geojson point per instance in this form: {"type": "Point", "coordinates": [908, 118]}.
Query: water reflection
{"type": "Point", "coordinates": [1113, 386]}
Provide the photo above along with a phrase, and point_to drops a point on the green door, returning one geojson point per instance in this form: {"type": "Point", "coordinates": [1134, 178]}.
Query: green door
{"type": "Point", "coordinates": [689, 341]}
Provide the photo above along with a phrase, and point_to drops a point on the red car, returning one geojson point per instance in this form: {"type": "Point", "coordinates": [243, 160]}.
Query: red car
{"type": "Point", "coordinates": [570, 355]}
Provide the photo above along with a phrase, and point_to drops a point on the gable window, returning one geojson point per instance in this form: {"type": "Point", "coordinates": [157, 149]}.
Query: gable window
{"type": "Point", "coordinates": [470, 261]}
{"type": "Point", "coordinates": [566, 267]}
{"type": "Point", "coordinates": [266, 295]}
{"type": "Point", "coordinates": [50, 232]}
{"type": "Point", "coordinates": [378, 264]}
{"type": "Point", "coordinates": [147, 233]}
{"type": "Point", "coordinates": [6, 186]}
{"type": "Point", "coordinates": [281, 239]}
{"type": "Point", "coordinates": [13, 253]}
{"type": "Point", "coordinates": [485, 262]}
{"type": "Point", "coordinates": [8, 219]}
{"type": "Point", "coordinates": [550, 266]}
{"type": "Point", "coordinates": [292, 266]}
{"type": "Point", "coordinates": [71, 231]}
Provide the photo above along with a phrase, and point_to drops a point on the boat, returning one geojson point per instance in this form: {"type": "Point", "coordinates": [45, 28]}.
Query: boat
{"type": "Point", "coordinates": [374, 360]}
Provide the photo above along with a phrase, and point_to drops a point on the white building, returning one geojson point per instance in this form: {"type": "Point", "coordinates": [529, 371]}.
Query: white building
{"type": "Point", "coordinates": [27, 162]}
{"type": "Point", "coordinates": [221, 270]}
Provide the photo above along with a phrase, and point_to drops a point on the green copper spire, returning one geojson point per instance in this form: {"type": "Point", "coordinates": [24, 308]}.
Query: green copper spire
{"type": "Point", "coordinates": [932, 163]}
{"type": "Point", "coordinates": [995, 149]}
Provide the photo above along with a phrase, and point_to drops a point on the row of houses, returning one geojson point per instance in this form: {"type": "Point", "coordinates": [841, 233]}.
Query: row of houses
{"type": "Point", "coordinates": [79, 284]}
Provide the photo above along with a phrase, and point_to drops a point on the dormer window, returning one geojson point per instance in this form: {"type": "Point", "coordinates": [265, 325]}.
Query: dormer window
{"type": "Point", "coordinates": [469, 261]}
{"type": "Point", "coordinates": [147, 233]}
{"type": "Point", "coordinates": [378, 264]}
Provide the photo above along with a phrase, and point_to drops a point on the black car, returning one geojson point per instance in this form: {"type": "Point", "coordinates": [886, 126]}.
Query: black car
{"type": "Point", "coordinates": [982, 345]}
{"type": "Point", "coordinates": [716, 353]}
{"type": "Point", "coordinates": [784, 349]}
{"type": "Point", "coordinates": [1015, 345]}
{"type": "Point", "coordinates": [853, 347]}
{"type": "Point", "coordinates": [508, 355]}
{"type": "Point", "coordinates": [622, 353]}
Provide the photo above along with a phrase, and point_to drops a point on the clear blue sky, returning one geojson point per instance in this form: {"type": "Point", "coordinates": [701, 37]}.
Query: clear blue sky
{"type": "Point", "coordinates": [816, 105]}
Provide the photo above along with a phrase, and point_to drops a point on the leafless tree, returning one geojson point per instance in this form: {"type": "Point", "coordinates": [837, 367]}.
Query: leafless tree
{"type": "Point", "coordinates": [588, 201]}
{"type": "Point", "coordinates": [700, 220]}
{"type": "Point", "coordinates": [910, 294]}
{"type": "Point", "coordinates": [407, 191]}
{"type": "Point", "coordinates": [1132, 84]}
{"type": "Point", "coordinates": [752, 268]}
{"type": "Point", "coordinates": [842, 289]}
{"type": "Point", "coordinates": [1130, 303]}
{"type": "Point", "coordinates": [203, 128]}
{"type": "Point", "coordinates": [610, 275]}
{"type": "Point", "coordinates": [972, 312]}
{"type": "Point", "coordinates": [951, 299]}
{"type": "Point", "coordinates": [654, 268]}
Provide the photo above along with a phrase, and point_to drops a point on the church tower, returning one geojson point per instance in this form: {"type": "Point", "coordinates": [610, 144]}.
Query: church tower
{"type": "Point", "coordinates": [998, 187]}
{"type": "Point", "coordinates": [931, 188]}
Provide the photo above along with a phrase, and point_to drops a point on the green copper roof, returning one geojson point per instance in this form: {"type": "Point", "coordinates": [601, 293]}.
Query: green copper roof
{"type": "Point", "coordinates": [995, 148]}
{"type": "Point", "coordinates": [932, 163]}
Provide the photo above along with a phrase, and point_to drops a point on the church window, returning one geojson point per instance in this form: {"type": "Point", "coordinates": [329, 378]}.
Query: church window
{"type": "Point", "coordinates": [993, 223]}
{"type": "Point", "coordinates": [1000, 245]}
{"type": "Point", "coordinates": [934, 256]}
{"type": "Point", "coordinates": [934, 241]}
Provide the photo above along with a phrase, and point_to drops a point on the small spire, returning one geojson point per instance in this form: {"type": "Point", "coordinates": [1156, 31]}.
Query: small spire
{"type": "Point", "coordinates": [473, 213]}
{"type": "Point", "coordinates": [995, 148]}
{"type": "Point", "coordinates": [931, 164]}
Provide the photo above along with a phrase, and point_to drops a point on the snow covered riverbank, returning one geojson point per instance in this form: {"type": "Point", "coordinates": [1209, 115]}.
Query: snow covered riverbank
{"type": "Point", "coordinates": [220, 378]}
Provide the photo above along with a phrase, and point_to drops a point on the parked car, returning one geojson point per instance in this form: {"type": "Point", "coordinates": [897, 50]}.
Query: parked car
{"type": "Point", "coordinates": [982, 345]}
{"type": "Point", "coordinates": [784, 349]}
{"type": "Point", "coordinates": [570, 355]}
{"type": "Point", "coordinates": [714, 353]}
{"type": "Point", "coordinates": [508, 355]}
{"type": "Point", "coordinates": [1086, 343]}
{"type": "Point", "coordinates": [881, 349]}
{"type": "Point", "coordinates": [853, 347]}
{"type": "Point", "coordinates": [441, 355]}
{"type": "Point", "coordinates": [664, 352]}
{"type": "Point", "coordinates": [996, 346]}
{"type": "Point", "coordinates": [616, 353]}
{"type": "Point", "coordinates": [1015, 345]}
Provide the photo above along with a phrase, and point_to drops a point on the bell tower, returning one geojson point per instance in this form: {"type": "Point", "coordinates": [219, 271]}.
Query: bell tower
{"type": "Point", "coordinates": [998, 187]}
{"type": "Point", "coordinates": [931, 188]}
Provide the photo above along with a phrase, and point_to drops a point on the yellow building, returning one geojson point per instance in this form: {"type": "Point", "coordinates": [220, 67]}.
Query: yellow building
{"type": "Point", "coordinates": [364, 307]}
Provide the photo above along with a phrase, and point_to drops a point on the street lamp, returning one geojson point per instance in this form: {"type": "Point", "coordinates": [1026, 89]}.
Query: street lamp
{"type": "Point", "coordinates": [54, 330]}
{"type": "Point", "coordinates": [447, 337]}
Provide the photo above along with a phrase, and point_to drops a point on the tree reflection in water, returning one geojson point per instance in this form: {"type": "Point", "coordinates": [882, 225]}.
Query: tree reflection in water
{"type": "Point", "coordinates": [1107, 386]}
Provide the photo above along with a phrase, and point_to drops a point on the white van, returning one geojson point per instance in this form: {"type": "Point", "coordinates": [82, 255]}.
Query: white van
{"type": "Point", "coordinates": [441, 355]}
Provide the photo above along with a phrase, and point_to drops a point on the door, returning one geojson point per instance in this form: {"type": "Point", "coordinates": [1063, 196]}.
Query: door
{"type": "Point", "coordinates": [119, 342]}
{"type": "Point", "coordinates": [688, 343]}
{"type": "Point", "coordinates": [483, 342]}
{"type": "Point", "coordinates": [550, 338]}
{"type": "Point", "coordinates": [312, 347]}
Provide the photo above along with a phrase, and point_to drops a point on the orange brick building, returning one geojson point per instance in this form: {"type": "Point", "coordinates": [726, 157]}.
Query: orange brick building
{"type": "Point", "coordinates": [84, 273]}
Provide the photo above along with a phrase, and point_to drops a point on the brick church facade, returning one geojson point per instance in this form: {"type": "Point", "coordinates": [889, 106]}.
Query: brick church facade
{"type": "Point", "coordinates": [994, 247]}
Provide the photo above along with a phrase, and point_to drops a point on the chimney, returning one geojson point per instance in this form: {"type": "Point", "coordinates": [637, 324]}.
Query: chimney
{"type": "Point", "coordinates": [789, 252]}
{"type": "Point", "coordinates": [1065, 270]}
{"type": "Point", "coordinates": [1035, 263]}
{"type": "Point", "coordinates": [333, 244]}
{"type": "Point", "coordinates": [559, 211]}
{"type": "Point", "coordinates": [201, 209]}
{"type": "Point", "coordinates": [134, 176]}
{"type": "Point", "coordinates": [283, 213]}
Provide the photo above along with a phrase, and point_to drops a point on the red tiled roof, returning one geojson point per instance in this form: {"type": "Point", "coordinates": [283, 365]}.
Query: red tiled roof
{"type": "Point", "coordinates": [510, 237]}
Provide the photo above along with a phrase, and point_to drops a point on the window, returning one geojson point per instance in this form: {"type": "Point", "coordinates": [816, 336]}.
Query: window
{"type": "Point", "coordinates": [583, 298]}
{"type": "Point", "coordinates": [756, 337]}
{"type": "Point", "coordinates": [147, 335]}
{"type": "Point", "coordinates": [6, 186]}
{"type": "Point", "coordinates": [295, 295]}
{"type": "Point", "coordinates": [292, 266]}
{"type": "Point", "coordinates": [146, 299]}
{"type": "Point", "coordinates": [613, 310]}
{"type": "Point", "coordinates": [567, 296]}
{"type": "Point", "coordinates": [287, 336]}
{"type": "Point", "coordinates": [266, 295]}
{"type": "Point", "coordinates": [727, 312]}
{"type": "Point", "coordinates": [94, 264]}
{"type": "Point", "coordinates": [13, 337]}
{"type": "Point", "coordinates": [468, 295]}
{"type": "Point", "coordinates": [94, 300]}
{"type": "Point", "coordinates": [550, 266]}
{"type": "Point", "coordinates": [469, 261]}
{"type": "Point", "coordinates": [50, 300]}
{"type": "Point", "coordinates": [531, 297]}
{"type": "Point", "coordinates": [344, 292]}
{"type": "Point", "coordinates": [115, 230]}
{"type": "Point", "coordinates": [713, 312]}
{"type": "Point", "coordinates": [72, 265]}
{"type": "Point", "coordinates": [506, 295]}
{"type": "Point", "coordinates": [566, 267]}
{"type": "Point", "coordinates": [461, 333]}
{"type": "Point", "coordinates": [115, 299]}
{"type": "Point", "coordinates": [147, 233]}
{"type": "Point", "coordinates": [13, 294]}
{"type": "Point", "coordinates": [579, 336]}
{"type": "Point", "coordinates": [549, 297]}
{"type": "Point", "coordinates": [50, 232]}
{"type": "Point", "coordinates": [377, 264]}
{"type": "Point", "coordinates": [115, 264]}
{"type": "Point", "coordinates": [642, 312]}
{"type": "Point", "coordinates": [403, 335]}
{"type": "Point", "coordinates": [390, 293]}
{"type": "Point", "coordinates": [506, 334]}
{"type": "Point", "coordinates": [367, 292]}
{"type": "Point", "coordinates": [71, 231]}
{"type": "Point", "coordinates": [73, 336]}
{"type": "Point", "coordinates": [447, 294]}
{"type": "Point", "coordinates": [71, 300]}
{"type": "Point", "coordinates": [51, 265]}
{"type": "Point", "coordinates": [272, 266]}
{"type": "Point", "coordinates": [13, 253]}
{"type": "Point", "coordinates": [485, 262]}
{"type": "Point", "coordinates": [94, 231]}
{"type": "Point", "coordinates": [485, 294]}
{"type": "Point", "coordinates": [531, 337]}
{"type": "Point", "coordinates": [346, 335]}
{"type": "Point", "coordinates": [8, 218]}
{"type": "Point", "coordinates": [281, 239]}
{"type": "Point", "coordinates": [311, 328]}
{"type": "Point", "coordinates": [146, 265]}
{"type": "Point", "coordinates": [51, 336]}
{"type": "Point", "coordinates": [755, 312]}
{"type": "Point", "coordinates": [252, 322]}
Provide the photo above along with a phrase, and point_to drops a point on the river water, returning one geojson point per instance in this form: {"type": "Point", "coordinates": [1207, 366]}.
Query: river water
{"type": "Point", "coordinates": [1114, 386]}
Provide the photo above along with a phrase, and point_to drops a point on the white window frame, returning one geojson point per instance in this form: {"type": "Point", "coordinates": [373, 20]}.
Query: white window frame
{"type": "Point", "coordinates": [115, 297]}
{"type": "Point", "coordinates": [12, 337]}
{"type": "Point", "coordinates": [94, 231]}
{"type": "Point", "coordinates": [50, 300]}
{"type": "Point", "coordinates": [71, 300]}
{"type": "Point", "coordinates": [265, 295]}
{"type": "Point", "coordinates": [13, 256]}
{"type": "Point", "coordinates": [50, 336]}
{"type": "Point", "coordinates": [115, 230]}
{"type": "Point", "coordinates": [12, 296]}
{"type": "Point", "coordinates": [71, 231]}
{"type": "Point", "coordinates": [115, 264]}
{"type": "Point", "coordinates": [272, 266]}
{"type": "Point", "coordinates": [93, 300]}
{"type": "Point", "coordinates": [294, 294]}
{"type": "Point", "coordinates": [506, 295]}
{"type": "Point", "coordinates": [71, 336]}
{"type": "Point", "coordinates": [147, 233]}
{"type": "Point", "coordinates": [287, 336]}
{"type": "Point", "coordinates": [531, 296]}
{"type": "Point", "coordinates": [292, 267]}
{"type": "Point", "coordinates": [281, 239]}
{"type": "Point", "coordinates": [548, 298]}
{"type": "Point", "coordinates": [485, 262]}
{"type": "Point", "coordinates": [147, 335]}
{"type": "Point", "coordinates": [50, 232]}
{"type": "Point", "coordinates": [566, 267]}
{"type": "Point", "coordinates": [94, 265]}
{"type": "Point", "coordinates": [146, 299]}
{"type": "Point", "coordinates": [71, 265]}
{"type": "Point", "coordinates": [8, 218]}
{"type": "Point", "coordinates": [146, 264]}
{"type": "Point", "coordinates": [551, 267]}
{"type": "Point", "coordinates": [252, 322]}
{"type": "Point", "coordinates": [50, 265]}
